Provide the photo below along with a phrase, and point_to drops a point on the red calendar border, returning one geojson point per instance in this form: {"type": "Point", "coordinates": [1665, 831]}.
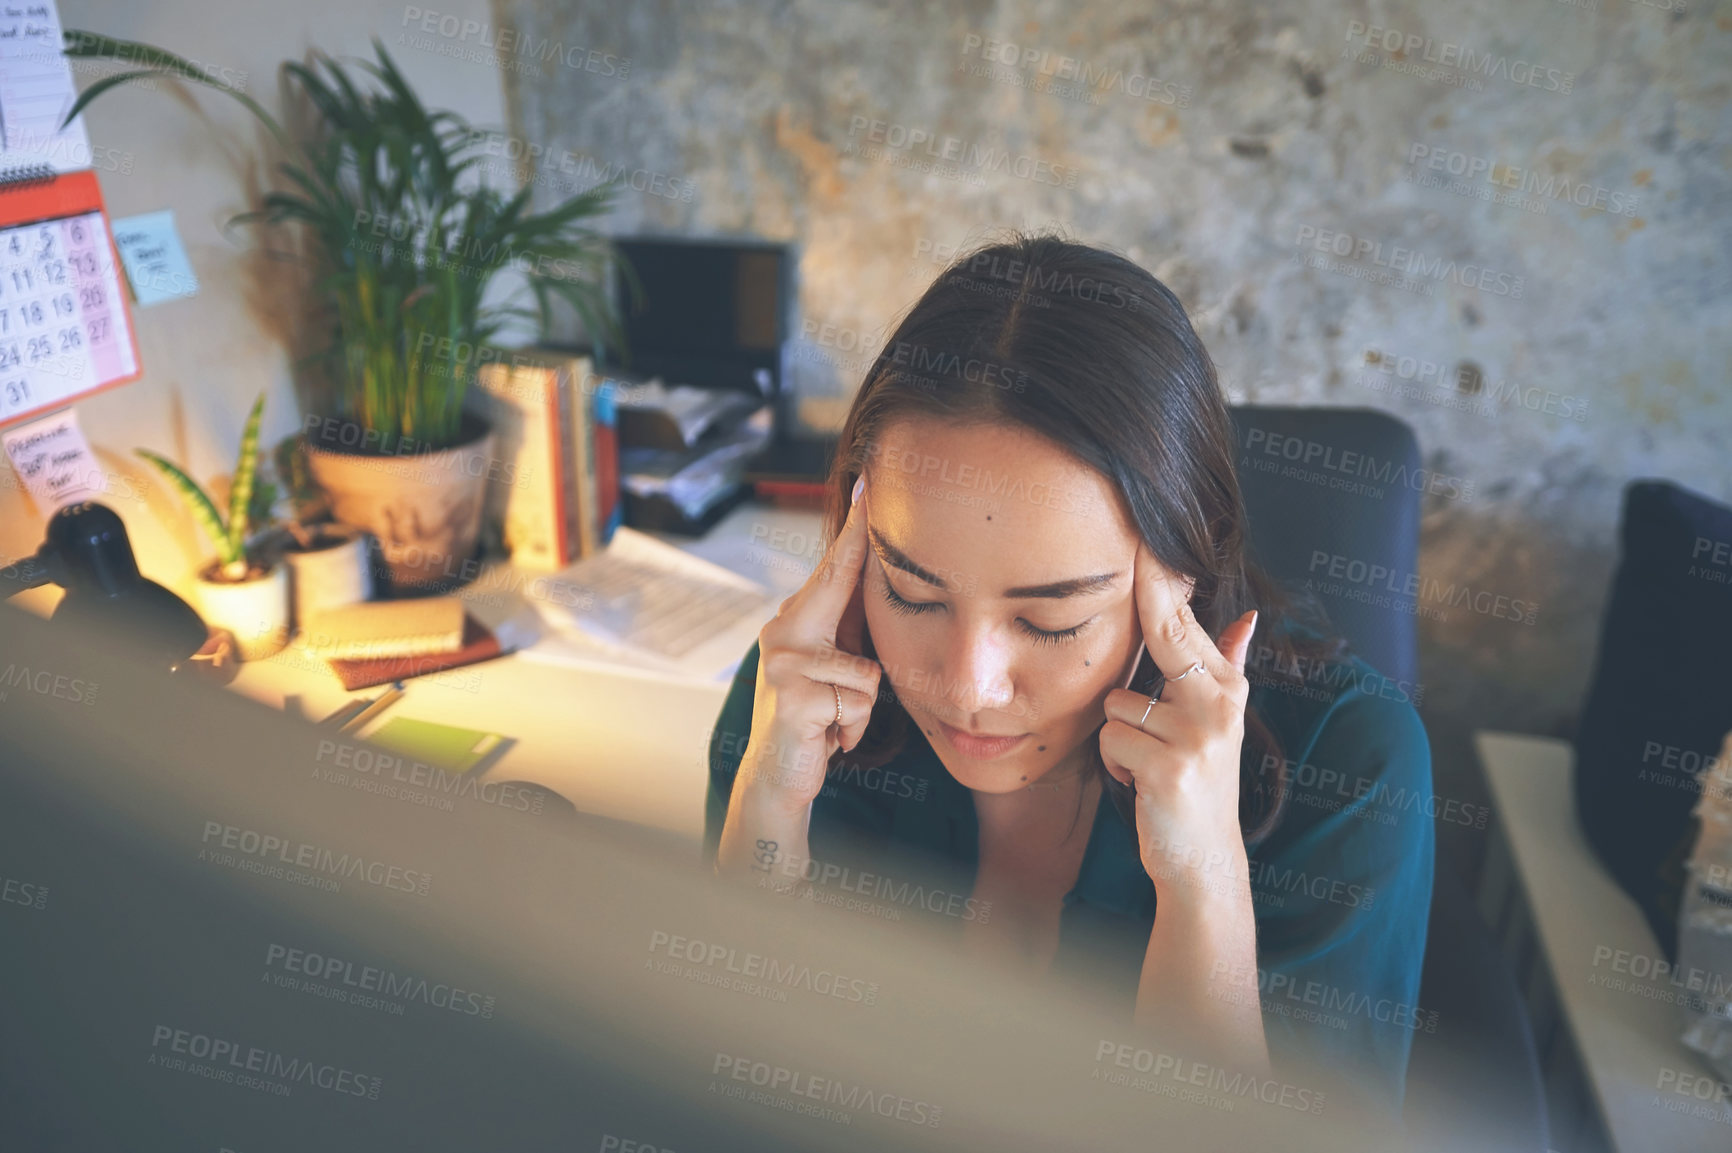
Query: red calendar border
{"type": "Point", "coordinates": [70, 194]}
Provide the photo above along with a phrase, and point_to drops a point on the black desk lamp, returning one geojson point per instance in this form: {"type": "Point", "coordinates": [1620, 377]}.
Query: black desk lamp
{"type": "Point", "coordinates": [87, 553]}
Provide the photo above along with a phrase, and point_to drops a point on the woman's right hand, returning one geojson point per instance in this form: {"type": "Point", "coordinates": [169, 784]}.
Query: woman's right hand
{"type": "Point", "coordinates": [808, 670]}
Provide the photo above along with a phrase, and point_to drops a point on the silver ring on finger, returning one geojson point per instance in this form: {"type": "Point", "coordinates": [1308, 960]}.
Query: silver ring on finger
{"type": "Point", "coordinates": [1153, 701]}
{"type": "Point", "coordinates": [1198, 667]}
{"type": "Point", "coordinates": [838, 693]}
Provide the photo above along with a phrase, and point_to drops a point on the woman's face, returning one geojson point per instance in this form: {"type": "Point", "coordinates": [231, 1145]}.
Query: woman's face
{"type": "Point", "coordinates": [998, 595]}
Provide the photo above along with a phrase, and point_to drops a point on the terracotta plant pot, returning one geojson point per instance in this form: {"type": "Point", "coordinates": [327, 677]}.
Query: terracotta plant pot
{"type": "Point", "coordinates": [255, 610]}
{"type": "Point", "coordinates": [424, 509]}
{"type": "Point", "coordinates": [334, 571]}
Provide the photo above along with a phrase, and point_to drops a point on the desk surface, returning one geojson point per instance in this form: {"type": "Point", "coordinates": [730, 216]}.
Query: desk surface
{"type": "Point", "coordinates": [620, 743]}
{"type": "Point", "coordinates": [1625, 1029]}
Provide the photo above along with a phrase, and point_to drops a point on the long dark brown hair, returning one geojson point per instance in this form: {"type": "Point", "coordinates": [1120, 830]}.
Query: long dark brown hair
{"type": "Point", "coordinates": [1084, 348]}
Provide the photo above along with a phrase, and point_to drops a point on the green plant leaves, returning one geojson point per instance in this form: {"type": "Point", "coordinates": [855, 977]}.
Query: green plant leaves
{"type": "Point", "coordinates": [406, 235]}
{"type": "Point", "coordinates": [241, 488]}
{"type": "Point", "coordinates": [204, 510]}
{"type": "Point", "coordinates": [230, 539]}
{"type": "Point", "coordinates": [156, 62]}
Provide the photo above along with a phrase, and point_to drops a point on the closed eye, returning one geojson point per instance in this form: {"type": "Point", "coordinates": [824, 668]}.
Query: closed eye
{"type": "Point", "coordinates": [906, 607]}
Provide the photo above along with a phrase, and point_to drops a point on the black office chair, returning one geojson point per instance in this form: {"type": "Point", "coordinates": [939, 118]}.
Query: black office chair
{"type": "Point", "coordinates": [1321, 483]}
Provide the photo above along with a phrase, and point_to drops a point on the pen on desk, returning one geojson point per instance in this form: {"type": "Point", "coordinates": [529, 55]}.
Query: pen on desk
{"type": "Point", "coordinates": [382, 702]}
{"type": "Point", "coordinates": [341, 715]}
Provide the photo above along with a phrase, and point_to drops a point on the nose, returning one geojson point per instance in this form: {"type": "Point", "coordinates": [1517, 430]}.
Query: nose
{"type": "Point", "coordinates": [977, 676]}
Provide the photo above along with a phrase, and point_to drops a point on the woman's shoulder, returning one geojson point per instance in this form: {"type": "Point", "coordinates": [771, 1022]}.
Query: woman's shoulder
{"type": "Point", "coordinates": [1342, 885]}
{"type": "Point", "coordinates": [1353, 745]}
{"type": "Point", "coordinates": [1307, 696]}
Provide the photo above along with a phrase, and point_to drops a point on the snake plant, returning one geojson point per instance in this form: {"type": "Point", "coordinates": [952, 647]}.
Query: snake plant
{"type": "Point", "coordinates": [230, 538]}
{"type": "Point", "coordinates": [404, 236]}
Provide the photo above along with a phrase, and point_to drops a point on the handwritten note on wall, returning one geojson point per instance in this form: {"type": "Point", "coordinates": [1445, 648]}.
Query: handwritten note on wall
{"type": "Point", "coordinates": [155, 260]}
{"type": "Point", "coordinates": [54, 461]}
{"type": "Point", "coordinates": [36, 90]}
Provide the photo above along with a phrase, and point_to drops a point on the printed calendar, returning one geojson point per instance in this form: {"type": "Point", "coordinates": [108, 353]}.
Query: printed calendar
{"type": "Point", "coordinates": [64, 329]}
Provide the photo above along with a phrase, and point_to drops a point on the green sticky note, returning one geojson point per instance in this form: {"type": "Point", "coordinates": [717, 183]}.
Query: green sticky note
{"type": "Point", "coordinates": [449, 747]}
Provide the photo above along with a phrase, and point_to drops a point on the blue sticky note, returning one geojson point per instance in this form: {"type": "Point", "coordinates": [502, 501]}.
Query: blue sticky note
{"type": "Point", "coordinates": [156, 264]}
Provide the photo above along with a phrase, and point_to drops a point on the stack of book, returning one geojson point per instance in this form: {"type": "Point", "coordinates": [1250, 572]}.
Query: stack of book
{"type": "Point", "coordinates": [377, 642]}
{"type": "Point", "coordinates": [555, 490]}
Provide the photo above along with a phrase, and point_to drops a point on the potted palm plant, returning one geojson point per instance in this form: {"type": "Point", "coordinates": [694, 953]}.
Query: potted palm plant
{"type": "Point", "coordinates": [239, 589]}
{"type": "Point", "coordinates": [403, 236]}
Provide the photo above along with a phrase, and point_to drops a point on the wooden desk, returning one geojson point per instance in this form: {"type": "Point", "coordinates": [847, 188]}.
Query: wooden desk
{"type": "Point", "coordinates": [627, 744]}
{"type": "Point", "coordinates": [1608, 1038]}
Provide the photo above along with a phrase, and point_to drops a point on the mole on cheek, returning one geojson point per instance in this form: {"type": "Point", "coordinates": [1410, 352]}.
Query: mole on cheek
{"type": "Point", "coordinates": [1038, 749]}
{"type": "Point", "coordinates": [1086, 664]}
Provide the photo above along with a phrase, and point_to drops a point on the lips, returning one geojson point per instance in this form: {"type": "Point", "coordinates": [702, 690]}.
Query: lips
{"type": "Point", "coordinates": [980, 748]}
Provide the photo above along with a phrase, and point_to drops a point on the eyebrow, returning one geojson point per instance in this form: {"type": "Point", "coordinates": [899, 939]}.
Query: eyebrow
{"type": "Point", "coordinates": [1057, 590]}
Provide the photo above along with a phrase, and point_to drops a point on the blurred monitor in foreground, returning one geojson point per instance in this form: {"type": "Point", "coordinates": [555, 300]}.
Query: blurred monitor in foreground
{"type": "Point", "coordinates": [224, 928]}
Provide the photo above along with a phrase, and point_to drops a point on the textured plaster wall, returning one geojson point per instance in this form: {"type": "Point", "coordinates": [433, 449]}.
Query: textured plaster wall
{"type": "Point", "coordinates": [1227, 140]}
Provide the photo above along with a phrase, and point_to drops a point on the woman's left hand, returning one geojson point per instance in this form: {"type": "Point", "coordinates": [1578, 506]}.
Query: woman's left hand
{"type": "Point", "coordinates": [1184, 758]}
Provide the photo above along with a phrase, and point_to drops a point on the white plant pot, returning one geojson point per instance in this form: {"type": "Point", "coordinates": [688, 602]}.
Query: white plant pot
{"type": "Point", "coordinates": [256, 611]}
{"type": "Point", "coordinates": [329, 577]}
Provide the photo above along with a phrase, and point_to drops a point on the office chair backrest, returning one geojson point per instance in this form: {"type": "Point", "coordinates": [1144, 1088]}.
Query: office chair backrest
{"type": "Point", "coordinates": [1332, 495]}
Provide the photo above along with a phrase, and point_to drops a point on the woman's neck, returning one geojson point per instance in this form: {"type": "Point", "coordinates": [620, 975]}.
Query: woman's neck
{"type": "Point", "coordinates": [1046, 808]}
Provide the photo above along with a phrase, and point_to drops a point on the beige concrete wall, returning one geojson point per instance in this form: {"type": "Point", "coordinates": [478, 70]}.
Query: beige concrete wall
{"type": "Point", "coordinates": [1212, 136]}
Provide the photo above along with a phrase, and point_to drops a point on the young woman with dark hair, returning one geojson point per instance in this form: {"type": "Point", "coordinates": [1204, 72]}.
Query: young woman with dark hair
{"type": "Point", "coordinates": [1037, 596]}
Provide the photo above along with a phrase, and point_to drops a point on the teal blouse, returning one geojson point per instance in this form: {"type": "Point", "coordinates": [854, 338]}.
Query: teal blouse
{"type": "Point", "coordinates": [1341, 887]}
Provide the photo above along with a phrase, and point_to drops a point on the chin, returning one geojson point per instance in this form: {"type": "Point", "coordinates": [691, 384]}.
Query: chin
{"type": "Point", "coordinates": [1000, 778]}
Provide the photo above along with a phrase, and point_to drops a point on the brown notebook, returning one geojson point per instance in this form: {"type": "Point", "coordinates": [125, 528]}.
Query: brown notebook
{"type": "Point", "coordinates": [479, 644]}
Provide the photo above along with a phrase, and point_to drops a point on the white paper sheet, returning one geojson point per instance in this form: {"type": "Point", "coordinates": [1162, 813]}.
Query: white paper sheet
{"type": "Point", "coordinates": [36, 90]}
{"type": "Point", "coordinates": [649, 605]}
{"type": "Point", "coordinates": [54, 461]}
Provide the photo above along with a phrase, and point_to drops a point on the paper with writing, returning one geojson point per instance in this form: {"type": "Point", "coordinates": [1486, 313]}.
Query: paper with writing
{"type": "Point", "coordinates": [54, 461]}
{"type": "Point", "coordinates": [36, 90]}
{"type": "Point", "coordinates": [156, 262]}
